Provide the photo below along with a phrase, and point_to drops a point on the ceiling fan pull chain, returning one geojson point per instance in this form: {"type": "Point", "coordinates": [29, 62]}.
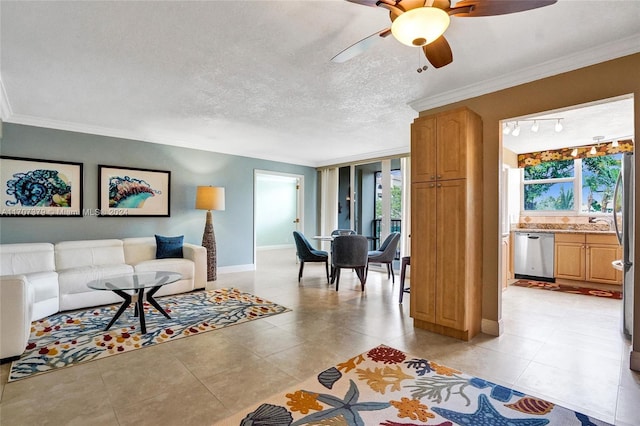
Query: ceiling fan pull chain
{"type": "Point", "coordinates": [421, 68]}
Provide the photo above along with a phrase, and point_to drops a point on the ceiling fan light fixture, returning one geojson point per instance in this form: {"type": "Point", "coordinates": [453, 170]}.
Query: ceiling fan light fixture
{"type": "Point", "coordinates": [420, 26]}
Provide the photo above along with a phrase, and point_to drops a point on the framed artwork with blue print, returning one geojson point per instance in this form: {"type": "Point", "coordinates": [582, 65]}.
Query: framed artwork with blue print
{"type": "Point", "coordinates": [126, 192]}
{"type": "Point", "coordinates": [40, 188]}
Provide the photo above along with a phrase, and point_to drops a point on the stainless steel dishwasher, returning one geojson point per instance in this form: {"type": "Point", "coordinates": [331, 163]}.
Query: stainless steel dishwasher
{"type": "Point", "coordinates": [533, 255]}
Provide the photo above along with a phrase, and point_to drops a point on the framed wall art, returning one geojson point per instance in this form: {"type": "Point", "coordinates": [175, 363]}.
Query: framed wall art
{"type": "Point", "coordinates": [40, 188]}
{"type": "Point", "coordinates": [126, 192]}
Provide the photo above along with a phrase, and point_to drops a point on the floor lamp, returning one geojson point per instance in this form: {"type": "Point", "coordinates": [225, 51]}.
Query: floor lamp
{"type": "Point", "coordinates": [210, 198]}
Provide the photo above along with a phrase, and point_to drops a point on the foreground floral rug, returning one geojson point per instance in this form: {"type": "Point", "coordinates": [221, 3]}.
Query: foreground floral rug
{"type": "Point", "coordinates": [387, 387]}
{"type": "Point", "coordinates": [73, 337]}
{"type": "Point", "coordinates": [614, 294]}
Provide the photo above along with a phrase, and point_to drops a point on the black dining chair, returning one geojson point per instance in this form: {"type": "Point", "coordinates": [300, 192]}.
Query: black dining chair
{"type": "Point", "coordinates": [306, 253]}
{"type": "Point", "coordinates": [386, 254]}
{"type": "Point", "coordinates": [349, 251]}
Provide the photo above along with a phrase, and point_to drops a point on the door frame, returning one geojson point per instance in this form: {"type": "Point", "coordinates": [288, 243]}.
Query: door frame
{"type": "Point", "coordinates": [257, 173]}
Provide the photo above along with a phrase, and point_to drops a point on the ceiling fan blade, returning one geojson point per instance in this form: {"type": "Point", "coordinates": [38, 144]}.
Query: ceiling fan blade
{"type": "Point", "coordinates": [438, 52]}
{"type": "Point", "coordinates": [473, 8]}
{"type": "Point", "coordinates": [360, 46]}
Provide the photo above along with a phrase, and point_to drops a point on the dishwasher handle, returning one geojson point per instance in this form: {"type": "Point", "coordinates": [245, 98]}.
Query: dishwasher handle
{"type": "Point", "coordinates": [533, 237]}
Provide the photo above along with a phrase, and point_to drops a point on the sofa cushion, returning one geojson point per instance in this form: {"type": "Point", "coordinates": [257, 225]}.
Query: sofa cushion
{"type": "Point", "coordinates": [139, 249]}
{"type": "Point", "coordinates": [169, 247]}
{"type": "Point", "coordinates": [26, 258]}
{"type": "Point", "coordinates": [75, 280]}
{"type": "Point", "coordinates": [76, 254]}
{"type": "Point", "coordinates": [185, 267]}
{"type": "Point", "coordinates": [45, 285]}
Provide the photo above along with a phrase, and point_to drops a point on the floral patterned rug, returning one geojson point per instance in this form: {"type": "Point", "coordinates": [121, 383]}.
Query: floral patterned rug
{"type": "Point", "coordinates": [72, 337]}
{"type": "Point", "coordinates": [387, 387]}
{"type": "Point", "coordinates": [614, 294]}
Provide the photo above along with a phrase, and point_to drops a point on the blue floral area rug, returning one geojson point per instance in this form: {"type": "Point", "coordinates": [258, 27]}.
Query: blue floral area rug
{"type": "Point", "coordinates": [72, 337]}
{"type": "Point", "coordinates": [387, 387]}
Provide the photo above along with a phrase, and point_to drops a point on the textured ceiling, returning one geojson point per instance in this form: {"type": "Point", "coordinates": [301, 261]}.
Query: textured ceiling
{"type": "Point", "coordinates": [253, 78]}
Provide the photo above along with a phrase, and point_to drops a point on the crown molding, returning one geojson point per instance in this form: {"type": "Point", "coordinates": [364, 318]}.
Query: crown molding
{"type": "Point", "coordinates": [602, 53]}
{"type": "Point", "coordinates": [368, 157]}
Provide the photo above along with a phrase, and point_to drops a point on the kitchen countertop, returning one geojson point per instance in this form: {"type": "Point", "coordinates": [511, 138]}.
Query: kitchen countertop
{"type": "Point", "coordinates": [564, 231]}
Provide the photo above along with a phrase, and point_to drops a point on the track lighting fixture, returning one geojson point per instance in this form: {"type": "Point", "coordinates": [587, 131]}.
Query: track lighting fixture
{"type": "Point", "coordinates": [535, 126]}
{"type": "Point", "coordinates": [516, 130]}
{"type": "Point", "coordinates": [513, 127]}
{"type": "Point", "coordinates": [614, 144]}
{"type": "Point", "coordinates": [558, 126]}
{"type": "Point", "coordinates": [574, 153]}
{"type": "Point", "coordinates": [593, 150]}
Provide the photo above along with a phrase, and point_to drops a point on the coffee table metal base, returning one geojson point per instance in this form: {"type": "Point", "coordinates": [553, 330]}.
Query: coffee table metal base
{"type": "Point", "coordinates": [139, 306]}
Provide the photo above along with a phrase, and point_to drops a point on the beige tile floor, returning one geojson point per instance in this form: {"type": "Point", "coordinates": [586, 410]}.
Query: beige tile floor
{"type": "Point", "coordinates": [561, 347]}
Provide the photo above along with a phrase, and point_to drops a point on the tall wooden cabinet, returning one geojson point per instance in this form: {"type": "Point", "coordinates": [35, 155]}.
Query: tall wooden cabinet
{"type": "Point", "coordinates": [446, 223]}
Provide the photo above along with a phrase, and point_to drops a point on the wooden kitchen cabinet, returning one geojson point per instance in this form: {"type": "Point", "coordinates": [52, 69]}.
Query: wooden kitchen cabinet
{"type": "Point", "coordinates": [587, 257]}
{"type": "Point", "coordinates": [439, 146]}
{"type": "Point", "coordinates": [601, 251]}
{"type": "Point", "coordinates": [446, 223]}
{"type": "Point", "coordinates": [569, 256]}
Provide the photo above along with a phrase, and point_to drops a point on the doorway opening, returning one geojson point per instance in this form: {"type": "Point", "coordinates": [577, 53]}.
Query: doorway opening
{"type": "Point", "coordinates": [559, 173]}
{"type": "Point", "coordinates": [278, 209]}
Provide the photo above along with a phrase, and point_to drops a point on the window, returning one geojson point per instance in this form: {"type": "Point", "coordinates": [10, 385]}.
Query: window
{"type": "Point", "coordinates": [581, 186]}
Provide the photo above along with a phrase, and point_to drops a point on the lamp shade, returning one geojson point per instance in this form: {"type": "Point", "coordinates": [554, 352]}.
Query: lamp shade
{"type": "Point", "coordinates": [420, 26]}
{"type": "Point", "coordinates": [210, 198]}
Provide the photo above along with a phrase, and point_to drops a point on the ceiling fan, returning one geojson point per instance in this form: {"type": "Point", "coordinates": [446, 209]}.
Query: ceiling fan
{"type": "Point", "coordinates": [422, 23]}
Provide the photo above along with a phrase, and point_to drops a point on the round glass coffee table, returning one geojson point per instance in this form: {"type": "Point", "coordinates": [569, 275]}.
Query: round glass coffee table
{"type": "Point", "coordinates": [137, 282]}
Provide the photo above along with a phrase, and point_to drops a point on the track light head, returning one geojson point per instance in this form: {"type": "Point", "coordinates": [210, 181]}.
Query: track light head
{"type": "Point", "coordinates": [558, 126]}
{"type": "Point", "coordinates": [574, 153]}
{"type": "Point", "coordinates": [593, 150]}
{"type": "Point", "coordinates": [535, 126]}
{"type": "Point", "coordinates": [516, 130]}
{"type": "Point", "coordinates": [506, 129]}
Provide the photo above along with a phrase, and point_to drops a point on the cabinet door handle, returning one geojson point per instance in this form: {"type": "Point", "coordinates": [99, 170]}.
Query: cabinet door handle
{"type": "Point", "coordinates": [439, 176]}
{"type": "Point", "coordinates": [439, 185]}
{"type": "Point", "coordinates": [431, 185]}
{"type": "Point", "coordinates": [432, 177]}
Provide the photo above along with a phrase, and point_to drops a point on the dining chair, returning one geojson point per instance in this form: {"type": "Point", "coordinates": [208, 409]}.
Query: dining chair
{"type": "Point", "coordinates": [306, 253]}
{"type": "Point", "coordinates": [349, 251]}
{"type": "Point", "coordinates": [342, 232]}
{"type": "Point", "coordinates": [406, 261]}
{"type": "Point", "coordinates": [386, 254]}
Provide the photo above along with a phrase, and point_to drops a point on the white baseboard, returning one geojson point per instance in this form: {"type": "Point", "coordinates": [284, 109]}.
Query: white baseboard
{"type": "Point", "coordinates": [236, 268]}
{"type": "Point", "coordinates": [276, 247]}
{"type": "Point", "coordinates": [491, 327]}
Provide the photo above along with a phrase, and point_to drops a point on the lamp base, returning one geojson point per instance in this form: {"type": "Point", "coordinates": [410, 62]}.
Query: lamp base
{"type": "Point", "coordinates": [209, 242]}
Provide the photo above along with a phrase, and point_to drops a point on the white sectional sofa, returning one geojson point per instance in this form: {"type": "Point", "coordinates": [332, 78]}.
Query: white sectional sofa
{"type": "Point", "coordinates": [40, 279]}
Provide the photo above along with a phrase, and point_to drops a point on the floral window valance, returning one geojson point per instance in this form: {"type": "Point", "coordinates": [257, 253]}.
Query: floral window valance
{"type": "Point", "coordinates": [535, 158]}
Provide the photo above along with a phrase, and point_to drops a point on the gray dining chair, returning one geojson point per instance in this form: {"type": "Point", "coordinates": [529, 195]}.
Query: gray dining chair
{"type": "Point", "coordinates": [349, 251]}
{"type": "Point", "coordinates": [386, 254]}
{"type": "Point", "coordinates": [306, 253]}
{"type": "Point", "coordinates": [336, 232]}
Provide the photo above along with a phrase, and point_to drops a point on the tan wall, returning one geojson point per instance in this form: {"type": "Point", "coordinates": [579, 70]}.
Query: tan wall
{"type": "Point", "coordinates": [605, 80]}
{"type": "Point", "coordinates": [509, 158]}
